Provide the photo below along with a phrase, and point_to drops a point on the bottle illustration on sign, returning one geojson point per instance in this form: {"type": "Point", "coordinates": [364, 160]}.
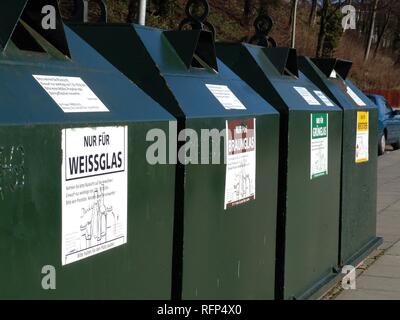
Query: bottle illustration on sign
{"type": "Point", "coordinates": [243, 184]}
{"type": "Point", "coordinates": [360, 148]}
{"type": "Point", "coordinates": [320, 161]}
{"type": "Point", "coordinates": [97, 221]}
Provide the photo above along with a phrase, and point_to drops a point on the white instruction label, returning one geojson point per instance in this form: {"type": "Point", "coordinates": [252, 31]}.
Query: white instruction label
{"type": "Point", "coordinates": [355, 97]}
{"type": "Point", "coordinates": [319, 145]}
{"type": "Point", "coordinates": [324, 98]}
{"type": "Point", "coordinates": [71, 94]}
{"type": "Point", "coordinates": [362, 144]}
{"type": "Point", "coordinates": [240, 180]}
{"type": "Point", "coordinates": [94, 191]}
{"type": "Point", "coordinates": [307, 95]}
{"type": "Point", "coordinates": [226, 97]}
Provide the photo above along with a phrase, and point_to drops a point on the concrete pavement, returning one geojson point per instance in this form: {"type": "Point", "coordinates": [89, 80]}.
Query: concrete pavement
{"type": "Point", "coordinates": [379, 276]}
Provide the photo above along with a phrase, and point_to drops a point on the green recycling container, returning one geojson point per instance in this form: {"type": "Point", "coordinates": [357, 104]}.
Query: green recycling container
{"type": "Point", "coordinates": [359, 157]}
{"type": "Point", "coordinates": [309, 167]}
{"type": "Point", "coordinates": [83, 213]}
{"type": "Point", "coordinates": [225, 213]}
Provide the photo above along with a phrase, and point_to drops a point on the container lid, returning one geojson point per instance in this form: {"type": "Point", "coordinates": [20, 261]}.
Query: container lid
{"type": "Point", "coordinates": [55, 77]}
{"type": "Point", "coordinates": [177, 68]}
{"type": "Point", "coordinates": [331, 76]}
{"type": "Point", "coordinates": [275, 75]}
{"type": "Point", "coordinates": [18, 15]}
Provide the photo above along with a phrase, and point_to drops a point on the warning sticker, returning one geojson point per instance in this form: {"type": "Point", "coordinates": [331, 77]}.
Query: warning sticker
{"type": "Point", "coordinates": [355, 97]}
{"type": "Point", "coordinates": [307, 95]}
{"type": "Point", "coordinates": [319, 145]}
{"type": "Point", "coordinates": [240, 181]}
{"type": "Point", "coordinates": [362, 144]}
{"type": "Point", "coordinates": [226, 97]}
{"type": "Point", "coordinates": [71, 94]}
{"type": "Point", "coordinates": [94, 191]}
{"type": "Point", "coordinates": [324, 98]}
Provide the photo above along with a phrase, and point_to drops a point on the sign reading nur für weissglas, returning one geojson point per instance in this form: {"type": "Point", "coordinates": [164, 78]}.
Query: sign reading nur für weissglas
{"type": "Point", "coordinates": [94, 191]}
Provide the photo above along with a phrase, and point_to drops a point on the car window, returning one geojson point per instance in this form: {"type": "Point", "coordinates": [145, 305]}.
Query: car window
{"type": "Point", "coordinates": [372, 98]}
{"type": "Point", "coordinates": [388, 108]}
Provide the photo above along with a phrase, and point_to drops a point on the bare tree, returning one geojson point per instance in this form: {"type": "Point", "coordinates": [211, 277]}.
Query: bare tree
{"type": "Point", "coordinates": [163, 7]}
{"type": "Point", "coordinates": [382, 31]}
{"type": "Point", "coordinates": [247, 11]}
{"type": "Point", "coordinates": [321, 34]}
{"type": "Point", "coordinates": [371, 30]}
{"type": "Point", "coordinates": [294, 22]}
{"type": "Point", "coordinates": [313, 13]}
{"type": "Point", "coordinates": [329, 9]}
{"type": "Point", "coordinates": [133, 8]}
{"type": "Point", "coordinates": [263, 6]}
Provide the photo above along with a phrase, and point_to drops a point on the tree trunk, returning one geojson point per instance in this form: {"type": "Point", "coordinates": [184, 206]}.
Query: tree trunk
{"type": "Point", "coordinates": [163, 7]}
{"type": "Point", "coordinates": [133, 9]}
{"type": "Point", "coordinates": [364, 18]}
{"type": "Point", "coordinates": [382, 33]}
{"type": "Point", "coordinates": [248, 5]}
{"type": "Point", "coordinates": [371, 30]}
{"type": "Point", "coordinates": [263, 8]}
{"type": "Point", "coordinates": [313, 13]}
{"type": "Point", "coordinates": [321, 34]}
{"type": "Point", "coordinates": [294, 19]}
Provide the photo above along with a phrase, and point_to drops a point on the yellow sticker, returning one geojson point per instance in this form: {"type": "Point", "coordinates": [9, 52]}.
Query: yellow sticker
{"type": "Point", "coordinates": [362, 143]}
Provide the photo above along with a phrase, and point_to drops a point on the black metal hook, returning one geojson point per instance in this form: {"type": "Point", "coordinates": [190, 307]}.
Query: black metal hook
{"type": "Point", "coordinates": [191, 6]}
{"type": "Point", "coordinates": [81, 11]}
{"type": "Point", "coordinates": [263, 26]}
{"type": "Point", "coordinates": [197, 21]}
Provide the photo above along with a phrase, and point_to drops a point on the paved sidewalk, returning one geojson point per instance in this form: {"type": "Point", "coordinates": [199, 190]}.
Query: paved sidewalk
{"type": "Point", "coordinates": [379, 278]}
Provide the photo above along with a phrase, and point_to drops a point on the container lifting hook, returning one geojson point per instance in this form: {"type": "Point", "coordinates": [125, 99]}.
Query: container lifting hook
{"type": "Point", "coordinates": [197, 12]}
{"type": "Point", "coordinates": [263, 26]}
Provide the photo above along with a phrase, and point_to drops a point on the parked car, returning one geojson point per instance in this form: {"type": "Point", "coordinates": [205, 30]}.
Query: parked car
{"type": "Point", "coordinates": [388, 124]}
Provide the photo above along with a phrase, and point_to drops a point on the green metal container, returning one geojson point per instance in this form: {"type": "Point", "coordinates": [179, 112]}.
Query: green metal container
{"type": "Point", "coordinates": [83, 214]}
{"type": "Point", "coordinates": [359, 157]}
{"type": "Point", "coordinates": [222, 250]}
{"type": "Point", "coordinates": [309, 167]}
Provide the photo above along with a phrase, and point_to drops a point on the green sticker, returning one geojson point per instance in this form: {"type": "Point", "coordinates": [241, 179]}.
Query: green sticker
{"type": "Point", "coordinates": [319, 145]}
